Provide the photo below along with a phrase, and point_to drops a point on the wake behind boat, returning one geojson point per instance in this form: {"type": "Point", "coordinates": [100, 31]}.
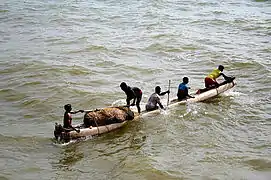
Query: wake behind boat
{"type": "Point", "coordinates": [104, 120]}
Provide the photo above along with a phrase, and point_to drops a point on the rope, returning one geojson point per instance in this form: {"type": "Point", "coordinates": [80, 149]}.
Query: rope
{"type": "Point", "coordinates": [96, 125]}
{"type": "Point", "coordinates": [107, 128]}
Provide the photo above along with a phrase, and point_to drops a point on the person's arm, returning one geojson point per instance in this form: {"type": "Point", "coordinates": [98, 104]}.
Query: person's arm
{"type": "Point", "coordinates": [224, 76]}
{"type": "Point", "coordinates": [163, 93]}
{"type": "Point", "coordinates": [190, 96]}
{"type": "Point", "coordinates": [160, 104]}
{"type": "Point", "coordinates": [158, 100]}
{"type": "Point", "coordinates": [134, 99]}
{"type": "Point", "coordinates": [70, 121]}
{"type": "Point", "coordinates": [77, 130]}
{"type": "Point", "coordinates": [70, 124]}
{"type": "Point", "coordinates": [127, 101]}
{"type": "Point", "coordinates": [74, 112]}
{"type": "Point", "coordinates": [186, 92]}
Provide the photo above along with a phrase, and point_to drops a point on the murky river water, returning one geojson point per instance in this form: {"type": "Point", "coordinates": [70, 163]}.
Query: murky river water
{"type": "Point", "coordinates": [58, 52]}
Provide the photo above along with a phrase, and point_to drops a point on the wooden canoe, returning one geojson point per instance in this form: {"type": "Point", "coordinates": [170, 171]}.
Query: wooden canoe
{"type": "Point", "coordinates": [85, 132]}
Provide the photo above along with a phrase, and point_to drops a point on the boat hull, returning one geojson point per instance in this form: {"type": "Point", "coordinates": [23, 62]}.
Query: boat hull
{"type": "Point", "coordinates": [205, 95]}
{"type": "Point", "coordinates": [65, 135]}
{"type": "Point", "coordinates": [85, 132]}
{"type": "Point", "coordinates": [197, 98]}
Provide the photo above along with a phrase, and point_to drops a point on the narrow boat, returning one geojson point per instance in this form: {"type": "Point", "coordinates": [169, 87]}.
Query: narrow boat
{"type": "Point", "coordinates": [66, 135]}
{"type": "Point", "coordinates": [96, 122]}
{"type": "Point", "coordinates": [205, 94]}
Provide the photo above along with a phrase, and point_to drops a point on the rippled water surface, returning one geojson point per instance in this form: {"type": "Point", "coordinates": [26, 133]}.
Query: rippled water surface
{"type": "Point", "coordinates": [58, 52]}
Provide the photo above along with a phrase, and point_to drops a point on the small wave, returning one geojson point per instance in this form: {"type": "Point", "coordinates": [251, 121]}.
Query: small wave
{"type": "Point", "coordinates": [233, 93]}
{"type": "Point", "coordinates": [119, 102]}
{"type": "Point", "coordinates": [96, 48]}
{"type": "Point", "coordinates": [31, 102]}
{"type": "Point", "coordinates": [259, 164]}
{"type": "Point", "coordinates": [78, 71]}
{"type": "Point", "coordinates": [4, 11]}
{"type": "Point", "coordinates": [74, 141]}
{"type": "Point", "coordinates": [12, 95]}
{"type": "Point", "coordinates": [33, 83]}
{"type": "Point", "coordinates": [261, 0]}
{"type": "Point", "coordinates": [159, 47]}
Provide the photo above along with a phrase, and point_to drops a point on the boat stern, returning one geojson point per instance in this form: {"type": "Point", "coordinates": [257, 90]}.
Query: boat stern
{"type": "Point", "coordinates": [60, 133]}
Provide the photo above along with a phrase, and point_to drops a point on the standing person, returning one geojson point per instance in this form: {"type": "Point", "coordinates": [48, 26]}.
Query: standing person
{"type": "Point", "coordinates": [155, 99]}
{"type": "Point", "coordinates": [210, 80]}
{"type": "Point", "coordinates": [132, 93]}
{"type": "Point", "coordinates": [183, 90]}
{"type": "Point", "coordinates": [67, 121]}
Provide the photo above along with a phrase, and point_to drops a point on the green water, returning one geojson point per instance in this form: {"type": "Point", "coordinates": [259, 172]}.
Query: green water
{"type": "Point", "coordinates": [58, 52]}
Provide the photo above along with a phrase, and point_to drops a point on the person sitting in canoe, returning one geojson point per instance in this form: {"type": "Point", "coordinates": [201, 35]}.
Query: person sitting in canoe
{"type": "Point", "coordinates": [210, 80]}
{"type": "Point", "coordinates": [155, 99]}
{"type": "Point", "coordinates": [67, 121]}
{"type": "Point", "coordinates": [183, 90]}
{"type": "Point", "coordinates": [132, 93]}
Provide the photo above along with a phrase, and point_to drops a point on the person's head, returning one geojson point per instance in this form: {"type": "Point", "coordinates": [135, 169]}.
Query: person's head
{"type": "Point", "coordinates": [185, 80]}
{"type": "Point", "coordinates": [68, 107]}
{"type": "Point", "coordinates": [220, 68]}
{"type": "Point", "coordinates": [123, 86]}
{"type": "Point", "coordinates": [157, 89]}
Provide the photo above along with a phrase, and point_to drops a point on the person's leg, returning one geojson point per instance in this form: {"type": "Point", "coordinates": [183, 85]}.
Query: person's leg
{"type": "Point", "coordinates": [181, 95]}
{"type": "Point", "coordinates": [138, 103]}
{"type": "Point", "coordinates": [128, 101]}
{"type": "Point", "coordinates": [151, 108]}
{"type": "Point", "coordinates": [209, 83]}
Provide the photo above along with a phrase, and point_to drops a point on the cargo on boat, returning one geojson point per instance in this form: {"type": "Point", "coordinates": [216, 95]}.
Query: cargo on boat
{"type": "Point", "coordinates": [96, 122]}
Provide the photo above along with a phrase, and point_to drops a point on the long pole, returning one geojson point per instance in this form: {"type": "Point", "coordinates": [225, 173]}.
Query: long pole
{"type": "Point", "coordinates": [168, 93]}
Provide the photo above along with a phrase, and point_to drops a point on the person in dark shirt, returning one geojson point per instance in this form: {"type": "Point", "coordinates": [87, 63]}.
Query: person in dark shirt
{"type": "Point", "coordinates": [132, 93]}
{"type": "Point", "coordinates": [183, 90]}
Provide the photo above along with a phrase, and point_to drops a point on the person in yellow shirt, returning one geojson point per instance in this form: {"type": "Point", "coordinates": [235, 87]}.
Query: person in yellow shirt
{"type": "Point", "coordinates": [210, 80]}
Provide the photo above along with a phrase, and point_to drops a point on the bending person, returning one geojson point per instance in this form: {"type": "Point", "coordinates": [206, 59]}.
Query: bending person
{"type": "Point", "coordinates": [183, 90]}
{"type": "Point", "coordinates": [210, 80]}
{"type": "Point", "coordinates": [155, 99]}
{"type": "Point", "coordinates": [133, 93]}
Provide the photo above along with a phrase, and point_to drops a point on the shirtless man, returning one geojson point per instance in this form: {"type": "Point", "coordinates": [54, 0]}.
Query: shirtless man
{"type": "Point", "coordinates": [67, 121]}
{"type": "Point", "coordinates": [155, 99]}
{"type": "Point", "coordinates": [132, 93]}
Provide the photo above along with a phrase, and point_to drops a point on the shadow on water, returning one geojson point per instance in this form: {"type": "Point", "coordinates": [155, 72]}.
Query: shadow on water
{"type": "Point", "coordinates": [70, 156]}
{"type": "Point", "coordinates": [99, 147]}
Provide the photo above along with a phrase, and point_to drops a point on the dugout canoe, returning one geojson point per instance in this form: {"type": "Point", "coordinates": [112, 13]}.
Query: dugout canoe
{"type": "Point", "coordinates": [207, 94]}
{"type": "Point", "coordinates": [64, 135]}
{"type": "Point", "coordinates": [86, 132]}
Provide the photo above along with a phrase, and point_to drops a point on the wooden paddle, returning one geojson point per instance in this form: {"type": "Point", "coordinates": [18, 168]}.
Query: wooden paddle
{"type": "Point", "coordinates": [168, 93]}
